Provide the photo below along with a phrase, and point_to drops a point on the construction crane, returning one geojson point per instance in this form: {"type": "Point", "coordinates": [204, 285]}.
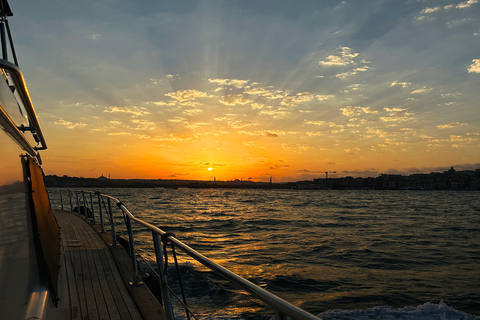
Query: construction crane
{"type": "Point", "coordinates": [326, 173]}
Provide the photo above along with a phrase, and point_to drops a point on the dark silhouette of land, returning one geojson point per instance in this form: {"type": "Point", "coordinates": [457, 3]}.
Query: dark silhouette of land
{"type": "Point", "coordinates": [447, 180]}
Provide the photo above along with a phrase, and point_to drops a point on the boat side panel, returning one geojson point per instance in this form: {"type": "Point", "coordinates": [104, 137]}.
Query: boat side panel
{"type": "Point", "coordinates": [16, 244]}
{"type": "Point", "coordinates": [45, 225]}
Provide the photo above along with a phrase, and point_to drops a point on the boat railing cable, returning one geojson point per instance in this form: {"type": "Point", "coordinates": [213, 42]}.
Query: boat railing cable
{"type": "Point", "coordinates": [281, 308]}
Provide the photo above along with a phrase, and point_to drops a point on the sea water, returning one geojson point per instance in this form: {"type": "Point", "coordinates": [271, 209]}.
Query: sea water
{"type": "Point", "coordinates": [338, 254]}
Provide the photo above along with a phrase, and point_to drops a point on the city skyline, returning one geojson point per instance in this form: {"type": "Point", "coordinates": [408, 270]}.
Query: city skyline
{"type": "Point", "coordinates": [197, 89]}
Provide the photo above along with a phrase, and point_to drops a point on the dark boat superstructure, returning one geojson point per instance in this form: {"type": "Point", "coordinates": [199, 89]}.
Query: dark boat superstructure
{"type": "Point", "coordinates": [29, 234]}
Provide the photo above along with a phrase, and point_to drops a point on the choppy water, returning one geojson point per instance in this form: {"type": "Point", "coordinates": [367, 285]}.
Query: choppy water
{"type": "Point", "coordinates": [340, 254]}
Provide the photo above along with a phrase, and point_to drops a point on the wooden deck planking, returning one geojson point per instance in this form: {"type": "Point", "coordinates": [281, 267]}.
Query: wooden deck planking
{"type": "Point", "coordinates": [91, 285]}
{"type": "Point", "coordinates": [113, 292]}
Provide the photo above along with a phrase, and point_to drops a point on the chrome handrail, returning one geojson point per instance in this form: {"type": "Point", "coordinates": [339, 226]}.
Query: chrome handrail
{"type": "Point", "coordinates": [9, 126]}
{"type": "Point", "coordinates": [22, 90]}
{"type": "Point", "coordinates": [281, 308]}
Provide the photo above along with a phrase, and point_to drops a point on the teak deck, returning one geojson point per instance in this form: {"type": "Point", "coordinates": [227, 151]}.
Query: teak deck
{"type": "Point", "coordinates": [94, 276]}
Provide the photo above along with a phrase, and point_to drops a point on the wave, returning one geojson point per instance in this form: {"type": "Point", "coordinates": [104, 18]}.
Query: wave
{"type": "Point", "coordinates": [427, 311]}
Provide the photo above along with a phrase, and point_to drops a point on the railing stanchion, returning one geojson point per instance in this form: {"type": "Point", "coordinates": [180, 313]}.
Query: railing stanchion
{"type": "Point", "coordinates": [112, 226]}
{"type": "Point", "coordinates": [61, 199]}
{"type": "Point", "coordinates": [167, 303]}
{"type": "Point", "coordinates": [91, 206]}
{"type": "Point", "coordinates": [133, 256]}
{"type": "Point", "coordinates": [70, 195]}
{"type": "Point", "coordinates": [84, 206]}
{"type": "Point", "coordinates": [78, 205]}
{"type": "Point", "coordinates": [100, 211]}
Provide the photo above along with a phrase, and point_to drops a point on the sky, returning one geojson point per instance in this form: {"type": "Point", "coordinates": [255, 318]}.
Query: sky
{"type": "Point", "coordinates": [252, 89]}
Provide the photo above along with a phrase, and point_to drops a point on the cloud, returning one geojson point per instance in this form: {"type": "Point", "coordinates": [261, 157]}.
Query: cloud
{"type": "Point", "coordinates": [144, 124]}
{"type": "Point", "coordinates": [353, 72]}
{"type": "Point", "coordinates": [185, 95]}
{"type": "Point", "coordinates": [401, 84]}
{"type": "Point", "coordinates": [293, 101]}
{"type": "Point", "coordinates": [177, 120]}
{"type": "Point", "coordinates": [95, 36]}
{"type": "Point", "coordinates": [321, 123]}
{"type": "Point", "coordinates": [353, 87]}
{"type": "Point", "coordinates": [192, 111]}
{"type": "Point", "coordinates": [397, 115]}
{"type": "Point", "coordinates": [450, 94]}
{"type": "Point", "coordinates": [451, 125]}
{"type": "Point", "coordinates": [474, 67]}
{"type": "Point", "coordinates": [230, 82]}
{"type": "Point", "coordinates": [132, 110]}
{"type": "Point", "coordinates": [430, 10]}
{"type": "Point", "coordinates": [69, 124]}
{"type": "Point", "coordinates": [343, 56]}
{"type": "Point", "coordinates": [237, 124]}
{"type": "Point", "coordinates": [233, 99]}
{"type": "Point", "coordinates": [379, 132]}
{"type": "Point", "coordinates": [466, 4]}
{"type": "Point", "coordinates": [266, 133]}
{"type": "Point", "coordinates": [421, 90]}
{"type": "Point", "coordinates": [257, 106]}
{"type": "Point", "coordinates": [426, 12]}
{"type": "Point", "coordinates": [354, 111]}
{"type": "Point", "coordinates": [321, 97]}
{"type": "Point", "coordinates": [276, 113]}
{"type": "Point", "coordinates": [119, 134]}
{"type": "Point", "coordinates": [173, 138]}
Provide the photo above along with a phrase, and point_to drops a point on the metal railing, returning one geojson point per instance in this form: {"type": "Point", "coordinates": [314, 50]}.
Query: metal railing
{"type": "Point", "coordinates": [85, 205]}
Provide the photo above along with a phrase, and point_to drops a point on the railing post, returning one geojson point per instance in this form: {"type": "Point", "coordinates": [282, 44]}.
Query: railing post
{"type": "Point", "coordinates": [91, 206]}
{"type": "Point", "coordinates": [133, 256]}
{"type": "Point", "coordinates": [112, 225]}
{"type": "Point", "coordinates": [100, 211]}
{"type": "Point", "coordinates": [280, 316]}
{"type": "Point", "coordinates": [167, 303]}
{"type": "Point", "coordinates": [61, 199]}
{"type": "Point", "coordinates": [70, 199]}
{"type": "Point", "coordinates": [78, 204]}
{"type": "Point", "coordinates": [84, 206]}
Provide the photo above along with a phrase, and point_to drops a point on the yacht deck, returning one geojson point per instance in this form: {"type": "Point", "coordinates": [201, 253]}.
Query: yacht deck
{"type": "Point", "coordinates": [94, 276]}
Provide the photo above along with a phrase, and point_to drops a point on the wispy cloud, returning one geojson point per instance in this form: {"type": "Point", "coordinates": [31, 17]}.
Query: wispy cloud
{"type": "Point", "coordinates": [474, 67]}
{"type": "Point", "coordinates": [131, 110]}
{"type": "Point", "coordinates": [451, 125]}
{"type": "Point", "coordinates": [70, 125]}
{"type": "Point", "coordinates": [185, 95]}
{"type": "Point", "coordinates": [354, 111]}
{"type": "Point", "coordinates": [229, 82]}
{"type": "Point", "coordinates": [342, 56]}
{"type": "Point", "coordinates": [422, 90]}
{"type": "Point", "coordinates": [397, 115]}
{"type": "Point", "coordinates": [233, 99]}
{"type": "Point", "coordinates": [293, 101]}
{"type": "Point", "coordinates": [425, 14]}
{"type": "Point", "coordinates": [400, 84]}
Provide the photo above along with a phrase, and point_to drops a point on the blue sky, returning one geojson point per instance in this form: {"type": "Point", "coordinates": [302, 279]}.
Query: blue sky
{"type": "Point", "coordinates": [253, 89]}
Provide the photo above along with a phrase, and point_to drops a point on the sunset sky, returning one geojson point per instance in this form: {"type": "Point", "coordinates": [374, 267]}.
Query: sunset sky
{"type": "Point", "coordinates": [252, 89]}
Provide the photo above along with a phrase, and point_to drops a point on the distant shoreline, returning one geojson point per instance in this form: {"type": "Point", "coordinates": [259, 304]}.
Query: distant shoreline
{"type": "Point", "coordinates": [448, 180]}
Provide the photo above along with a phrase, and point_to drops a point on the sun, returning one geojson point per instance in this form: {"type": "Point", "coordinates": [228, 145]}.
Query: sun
{"type": "Point", "coordinates": [210, 169]}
